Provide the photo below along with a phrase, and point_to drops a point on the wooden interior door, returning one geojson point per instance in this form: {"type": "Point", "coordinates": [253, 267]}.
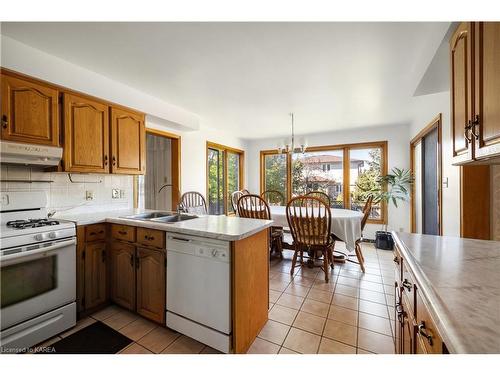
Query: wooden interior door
{"type": "Point", "coordinates": [95, 274]}
{"type": "Point", "coordinates": [86, 137]}
{"type": "Point", "coordinates": [128, 142]}
{"type": "Point", "coordinates": [122, 273]}
{"type": "Point", "coordinates": [461, 98]}
{"type": "Point", "coordinates": [29, 112]}
{"type": "Point", "coordinates": [151, 284]}
{"type": "Point", "coordinates": [486, 119]}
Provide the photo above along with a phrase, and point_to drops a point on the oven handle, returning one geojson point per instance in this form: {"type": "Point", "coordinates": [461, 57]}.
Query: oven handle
{"type": "Point", "coordinates": [23, 254]}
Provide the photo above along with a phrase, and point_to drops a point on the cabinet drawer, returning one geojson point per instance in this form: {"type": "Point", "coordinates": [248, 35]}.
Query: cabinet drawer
{"type": "Point", "coordinates": [426, 329]}
{"type": "Point", "coordinates": [123, 232]}
{"type": "Point", "coordinates": [151, 237]}
{"type": "Point", "coordinates": [95, 232]}
{"type": "Point", "coordinates": [408, 289]}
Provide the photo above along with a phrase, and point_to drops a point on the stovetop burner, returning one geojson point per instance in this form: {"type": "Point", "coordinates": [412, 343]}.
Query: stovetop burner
{"type": "Point", "coordinates": [31, 223]}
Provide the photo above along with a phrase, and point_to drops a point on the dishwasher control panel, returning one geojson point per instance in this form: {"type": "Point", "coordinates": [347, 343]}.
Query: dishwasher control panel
{"type": "Point", "coordinates": [198, 246]}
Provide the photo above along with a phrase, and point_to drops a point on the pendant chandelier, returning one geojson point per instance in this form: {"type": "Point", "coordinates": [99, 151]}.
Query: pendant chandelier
{"type": "Point", "coordinates": [289, 148]}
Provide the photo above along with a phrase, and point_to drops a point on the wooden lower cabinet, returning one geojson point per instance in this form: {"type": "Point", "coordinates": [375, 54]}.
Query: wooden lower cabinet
{"type": "Point", "coordinates": [150, 284]}
{"type": "Point", "coordinates": [122, 273]}
{"type": "Point", "coordinates": [415, 330]}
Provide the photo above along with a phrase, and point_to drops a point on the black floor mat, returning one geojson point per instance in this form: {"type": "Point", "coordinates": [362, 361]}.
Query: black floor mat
{"type": "Point", "coordinates": [97, 338]}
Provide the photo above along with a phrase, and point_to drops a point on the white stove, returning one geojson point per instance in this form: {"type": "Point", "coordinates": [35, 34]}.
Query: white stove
{"type": "Point", "coordinates": [37, 270]}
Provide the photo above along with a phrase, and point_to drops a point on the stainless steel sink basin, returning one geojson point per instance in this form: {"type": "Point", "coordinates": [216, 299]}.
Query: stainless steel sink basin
{"type": "Point", "coordinates": [149, 215]}
{"type": "Point", "coordinates": [174, 218]}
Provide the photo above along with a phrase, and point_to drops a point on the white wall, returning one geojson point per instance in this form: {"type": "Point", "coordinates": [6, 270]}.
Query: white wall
{"type": "Point", "coordinates": [398, 156]}
{"type": "Point", "coordinates": [194, 154]}
{"type": "Point", "coordinates": [425, 108]}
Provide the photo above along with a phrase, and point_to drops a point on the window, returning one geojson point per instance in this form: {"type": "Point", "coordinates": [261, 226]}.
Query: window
{"type": "Point", "coordinates": [224, 176]}
{"type": "Point", "coordinates": [275, 174]}
{"type": "Point", "coordinates": [343, 172]}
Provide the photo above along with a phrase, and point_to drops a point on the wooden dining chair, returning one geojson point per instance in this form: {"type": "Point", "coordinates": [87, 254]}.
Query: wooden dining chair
{"type": "Point", "coordinates": [194, 202]}
{"type": "Point", "coordinates": [234, 199]}
{"type": "Point", "coordinates": [254, 207]}
{"type": "Point", "coordinates": [321, 195]}
{"type": "Point", "coordinates": [357, 246]}
{"type": "Point", "coordinates": [309, 219]}
{"type": "Point", "coordinates": [273, 197]}
{"type": "Point", "coordinates": [245, 191]}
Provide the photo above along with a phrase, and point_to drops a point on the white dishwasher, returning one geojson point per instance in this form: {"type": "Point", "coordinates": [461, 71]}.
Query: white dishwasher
{"type": "Point", "coordinates": [199, 289]}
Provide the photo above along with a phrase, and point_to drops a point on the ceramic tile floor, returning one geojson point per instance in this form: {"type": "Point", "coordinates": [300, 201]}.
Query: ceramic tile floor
{"type": "Point", "coordinates": [350, 314]}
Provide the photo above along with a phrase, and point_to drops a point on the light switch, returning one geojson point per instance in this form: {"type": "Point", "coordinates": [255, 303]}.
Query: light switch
{"type": "Point", "coordinates": [115, 193]}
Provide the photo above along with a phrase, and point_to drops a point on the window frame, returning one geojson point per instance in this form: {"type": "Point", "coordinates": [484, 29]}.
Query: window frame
{"type": "Point", "coordinates": [225, 150]}
{"type": "Point", "coordinates": [345, 168]}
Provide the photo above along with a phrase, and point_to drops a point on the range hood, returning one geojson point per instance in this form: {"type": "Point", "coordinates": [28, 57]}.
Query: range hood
{"type": "Point", "coordinates": [29, 154]}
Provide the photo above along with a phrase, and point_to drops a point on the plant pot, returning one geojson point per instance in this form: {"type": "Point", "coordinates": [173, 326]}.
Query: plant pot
{"type": "Point", "coordinates": [384, 240]}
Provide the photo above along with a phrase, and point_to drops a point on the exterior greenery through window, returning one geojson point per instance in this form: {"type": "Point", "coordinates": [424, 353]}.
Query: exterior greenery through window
{"type": "Point", "coordinates": [344, 172]}
{"type": "Point", "coordinates": [224, 176]}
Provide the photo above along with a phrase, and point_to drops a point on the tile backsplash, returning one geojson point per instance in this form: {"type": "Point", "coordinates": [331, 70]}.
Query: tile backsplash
{"type": "Point", "coordinates": [64, 195]}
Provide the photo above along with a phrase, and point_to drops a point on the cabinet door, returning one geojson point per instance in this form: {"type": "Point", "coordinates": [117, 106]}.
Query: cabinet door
{"type": "Point", "coordinates": [461, 99]}
{"type": "Point", "coordinates": [29, 112]}
{"type": "Point", "coordinates": [151, 284]}
{"type": "Point", "coordinates": [128, 142]}
{"type": "Point", "coordinates": [486, 119]}
{"type": "Point", "coordinates": [95, 274]}
{"type": "Point", "coordinates": [86, 135]}
{"type": "Point", "coordinates": [398, 319]}
{"type": "Point", "coordinates": [80, 268]}
{"type": "Point", "coordinates": [122, 274]}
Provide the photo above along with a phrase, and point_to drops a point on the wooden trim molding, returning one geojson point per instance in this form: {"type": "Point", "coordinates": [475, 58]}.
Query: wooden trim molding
{"type": "Point", "coordinates": [346, 176]}
{"type": "Point", "coordinates": [435, 123]}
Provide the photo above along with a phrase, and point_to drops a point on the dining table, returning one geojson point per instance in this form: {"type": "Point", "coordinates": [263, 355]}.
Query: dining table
{"type": "Point", "coordinates": [345, 224]}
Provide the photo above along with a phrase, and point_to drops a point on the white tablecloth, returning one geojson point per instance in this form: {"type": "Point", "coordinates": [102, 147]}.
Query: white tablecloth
{"type": "Point", "coordinates": [346, 224]}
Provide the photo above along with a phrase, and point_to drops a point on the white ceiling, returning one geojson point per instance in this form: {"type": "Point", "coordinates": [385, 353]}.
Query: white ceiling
{"type": "Point", "coordinates": [245, 78]}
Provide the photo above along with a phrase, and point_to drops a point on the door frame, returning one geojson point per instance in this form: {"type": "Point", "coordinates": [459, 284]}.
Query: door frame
{"type": "Point", "coordinates": [175, 140]}
{"type": "Point", "coordinates": [436, 123]}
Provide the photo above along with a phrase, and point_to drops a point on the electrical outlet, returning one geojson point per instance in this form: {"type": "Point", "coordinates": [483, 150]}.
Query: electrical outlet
{"type": "Point", "coordinates": [122, 193]}
{"type": "Point", "coordinates": [115, 193]}
{"type": "Point", "coordinates": [89, 195]}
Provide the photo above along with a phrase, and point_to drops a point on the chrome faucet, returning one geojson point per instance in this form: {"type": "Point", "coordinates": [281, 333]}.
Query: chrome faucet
{"type": "Point", "coordinates": [180, 207]}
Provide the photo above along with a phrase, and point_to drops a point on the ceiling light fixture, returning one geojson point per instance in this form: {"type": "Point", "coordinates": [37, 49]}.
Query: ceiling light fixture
{"type": "Point", "coordinates": [289, 148]}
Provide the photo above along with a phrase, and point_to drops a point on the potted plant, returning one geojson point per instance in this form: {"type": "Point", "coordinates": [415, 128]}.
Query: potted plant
{"type": "Point", "coordinates": [390, 188]}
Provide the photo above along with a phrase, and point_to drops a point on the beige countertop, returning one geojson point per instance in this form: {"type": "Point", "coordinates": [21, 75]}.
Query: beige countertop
{"type": "Point", "coordinates": [227, 228]}
{"type": "Point", "coordinates": [461, 280]}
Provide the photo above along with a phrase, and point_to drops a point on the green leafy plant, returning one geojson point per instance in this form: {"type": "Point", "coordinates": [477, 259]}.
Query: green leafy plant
{"type": "Point", "coordinates": [392, 188]}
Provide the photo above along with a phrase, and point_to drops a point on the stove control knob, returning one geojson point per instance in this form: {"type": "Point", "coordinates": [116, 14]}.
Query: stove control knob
{"type": "Point", "coordinates": [39, 237]}
{"type": "Point", "coordinates": [52, 235]}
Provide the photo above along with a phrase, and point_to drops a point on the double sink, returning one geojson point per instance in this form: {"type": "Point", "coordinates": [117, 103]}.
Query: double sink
{"type": "Point", "coordinates": [162, 217]}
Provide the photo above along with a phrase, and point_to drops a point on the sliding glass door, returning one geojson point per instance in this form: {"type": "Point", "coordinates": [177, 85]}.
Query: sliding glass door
{"type": "Point", "coordinates": [224, 176]}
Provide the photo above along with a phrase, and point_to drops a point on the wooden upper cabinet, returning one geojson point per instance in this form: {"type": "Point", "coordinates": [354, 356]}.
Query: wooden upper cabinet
{"type": "Point", "coordinates": [461, 93]}
{"type": "Point", "coordinates": [29, 111]}
{"type": "Point", "coordinates": [86, 135]}
{"type": "Point", "coordinates": [151, 284]}
{"type": "Point", "coordinates": [128, 142]}
{"type": "Point", "coordinates": [486, 117]}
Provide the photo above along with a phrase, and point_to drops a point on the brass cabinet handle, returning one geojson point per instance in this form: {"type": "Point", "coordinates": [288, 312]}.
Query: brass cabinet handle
{"type": "Point", "coordinates": [468, 127]}
{"type": "Point", "coordinates": [114, 160]}
{"type": "Point", "coordinates": [396, 260]}
{"type": "Point", "coordinates": [422, 332]}
{"type": "Point", "coordinates": [400, 312]}
{"type": "Point", "coordinates": [131, 260]}
{"type": "Point", "coordinates": [105, 159]}
{"type": "Point", "coordinates": [149, 238]}
{"type": "Point", "coordinates": [103, 256]}
{"type": "Point", "coordinates": [475, 123]}
{"type": "Point", "coordinates": [407, 285]}
{"type": "Point", "coordinates": [5, 122]}
{"type": "Point", "coordinates": [122, 232]}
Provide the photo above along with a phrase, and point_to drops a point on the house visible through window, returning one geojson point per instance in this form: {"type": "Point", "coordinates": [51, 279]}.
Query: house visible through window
{"type": "Point", "coordinates": [346, 173]}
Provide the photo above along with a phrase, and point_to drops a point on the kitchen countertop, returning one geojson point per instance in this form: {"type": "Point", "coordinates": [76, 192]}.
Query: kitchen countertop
{"type": "Point", "coordinates": [461, 280]}
{"type": "Point", "coordinates": [227, 228]}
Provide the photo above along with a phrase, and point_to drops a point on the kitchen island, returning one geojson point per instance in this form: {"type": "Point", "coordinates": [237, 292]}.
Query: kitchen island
{"type": "Point", "coordinates": [447, 294]}
{"type": "Point", "coordinates": [136, 264]}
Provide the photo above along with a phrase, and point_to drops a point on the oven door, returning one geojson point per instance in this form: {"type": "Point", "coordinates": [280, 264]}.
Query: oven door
{"type": "Point", "coordinates": [36, 281]}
